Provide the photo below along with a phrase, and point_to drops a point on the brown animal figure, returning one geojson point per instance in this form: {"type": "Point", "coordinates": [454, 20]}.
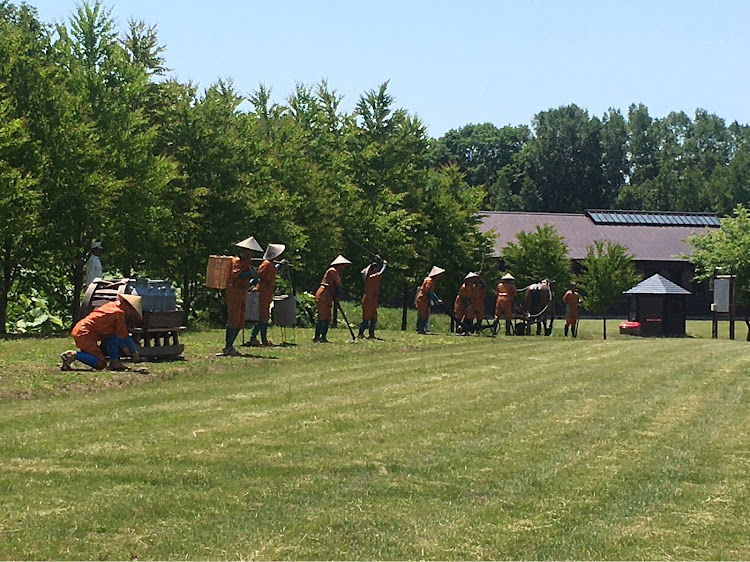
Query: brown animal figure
{"type": "Point", "coordinates": [540, 304]}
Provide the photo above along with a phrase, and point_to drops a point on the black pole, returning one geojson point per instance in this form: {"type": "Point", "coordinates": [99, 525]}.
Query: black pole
{"type": "Point", "coordinates": [732, 304]}
{"type": "Point", "coordinates": [338, 304]}
{"type": "Point", "coordinates": [405, 306]}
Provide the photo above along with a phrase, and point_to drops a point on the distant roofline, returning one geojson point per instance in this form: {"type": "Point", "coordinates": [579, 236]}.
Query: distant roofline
{"type": "Point", "coordinates": [587, 211]}
{"type": "Point", "coordinates": [530, 213]}
{"type": "Point", "coordinates": [692, 214]}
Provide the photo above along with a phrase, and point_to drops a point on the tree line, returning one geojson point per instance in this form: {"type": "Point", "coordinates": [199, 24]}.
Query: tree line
{"type": "Point", "coordinates": [97, 142]}
{"type": "Point", "coordinates": [570, 161]}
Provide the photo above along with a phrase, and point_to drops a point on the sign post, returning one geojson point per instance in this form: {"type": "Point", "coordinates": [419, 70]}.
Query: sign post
{"type": "Point", "coordinates": [725, 288]}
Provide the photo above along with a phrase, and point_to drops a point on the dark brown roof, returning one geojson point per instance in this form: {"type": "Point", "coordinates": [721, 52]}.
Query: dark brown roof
{"type": "Point", "coordinates": [644, 243]}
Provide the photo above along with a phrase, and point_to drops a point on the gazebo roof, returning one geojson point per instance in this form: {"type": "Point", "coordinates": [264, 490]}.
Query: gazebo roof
{"type": "Point", "coordinates": [657, 285]}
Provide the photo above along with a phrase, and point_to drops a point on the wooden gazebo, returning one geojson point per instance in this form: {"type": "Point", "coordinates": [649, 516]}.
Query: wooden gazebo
{"type": "Point", "coordinates": [659, 306]}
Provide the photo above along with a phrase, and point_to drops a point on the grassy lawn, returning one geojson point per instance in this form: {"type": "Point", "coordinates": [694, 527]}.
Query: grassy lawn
{"type": "Point", "coordinates": [432, 447]}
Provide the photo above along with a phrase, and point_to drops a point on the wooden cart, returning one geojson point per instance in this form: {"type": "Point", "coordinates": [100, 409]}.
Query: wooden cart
{"type": "Point", "coordinates": [157, 336]}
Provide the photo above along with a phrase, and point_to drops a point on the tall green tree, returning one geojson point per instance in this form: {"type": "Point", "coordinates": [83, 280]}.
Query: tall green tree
{"type": "Point", "coordinates": [727, 248]}
{"type": "Point", "coordinates": [566, 163]}
{"type": "Point", "coordinates": [390, 173]}
{"type": "Point", "coordinates": [106, 177]}
{"type": "Point", "coordinates": [207, 204]}
{"type": "Point", "coordinates": [608, 271]}
{"type": "Point", "coordinates": [484, 154]}
{"type": "Point", "coordinates": [447, 232]}
{"type": "Point", "coordinates": [26, 78]}
{"type": "Point", "coordinates": [614, 139]}
{"type": "Point", "coordinates": [540, 254]}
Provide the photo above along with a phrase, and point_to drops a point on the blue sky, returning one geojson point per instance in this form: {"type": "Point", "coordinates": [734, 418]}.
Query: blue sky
{"type": "Point", "coordinates": [455, 63]}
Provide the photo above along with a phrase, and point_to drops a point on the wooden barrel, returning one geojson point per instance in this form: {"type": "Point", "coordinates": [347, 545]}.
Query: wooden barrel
{"type": "Point", "coordinates": [218, 270]}
{"type": "Point", "coordinates": [102, 291]}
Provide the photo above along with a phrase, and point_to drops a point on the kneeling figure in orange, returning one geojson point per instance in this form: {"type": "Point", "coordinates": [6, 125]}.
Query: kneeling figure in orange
{"type": "Point", "coordinates": [107, 324]}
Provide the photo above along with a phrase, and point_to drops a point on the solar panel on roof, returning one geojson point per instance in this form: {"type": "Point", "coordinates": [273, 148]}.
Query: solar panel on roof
{"type": "Point", "coordinates": [652, 218]}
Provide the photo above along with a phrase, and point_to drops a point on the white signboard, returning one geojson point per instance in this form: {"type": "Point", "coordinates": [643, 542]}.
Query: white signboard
{"type": "Point", "coordinates": [721, 294]}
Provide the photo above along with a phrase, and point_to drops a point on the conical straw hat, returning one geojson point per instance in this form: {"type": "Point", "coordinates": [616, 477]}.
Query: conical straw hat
{"type": "Point", "coordinates": [341, 260]}
{"type": "Point", "coordinates": [273, 251]}
{"type": "Point", "coordinates": [435, 271]}
{"type": "Point", "coordinates": [507, 277]}
{"type": "Point", "coordinates": [250, 244]}
{"type": "Point", "coordinates": [470, 275]}
{"type": "Point", "coordinates": [135, 303]}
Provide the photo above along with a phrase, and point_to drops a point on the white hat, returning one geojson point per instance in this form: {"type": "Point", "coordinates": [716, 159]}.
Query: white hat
{"type": "Point", "coordinates": [341, 260]}
{"type": "Point", "coordinates": [250, 244]}
{"type": "Point", "coordinates": [470, 275]}
{"type": "Point", "coordinates": [274, 251]}
{"type": "Point", "coordinates": [507, 277]}
{"type": "Point", "coordinates": [435, 271]}
{"type": "Point", "coordinates": [134, 301]}
{"type": "Point", "coordinates": [95, 245]}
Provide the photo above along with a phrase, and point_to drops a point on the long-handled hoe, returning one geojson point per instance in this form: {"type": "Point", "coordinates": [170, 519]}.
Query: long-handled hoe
{"type": "Point", "coordinates": [354, 339]}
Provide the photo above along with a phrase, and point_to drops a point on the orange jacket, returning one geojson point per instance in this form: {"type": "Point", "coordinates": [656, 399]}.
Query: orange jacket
{"type": "Point", "coordinates": [506, 291]}
{"type": "Point", "coordinates": [326, 292]}
{"type": "Point", "coordinates": [370, 298]}
{"type": "Point", "coordinates": [571, 300]}
{"type": "Point", "coordinates": [504, 304]}
{"type": "Point", "coordinates": [266, 280]}
{"type": "Point", "coordinates": [423, 298]}
{"type": "Point", "coordinates": [463, 305]}
{"type": "Point", "coordinates": [236, 293]}
{"type": "Point", "coordinates": [478, 293]}
{"type": "Point", "coordinates": [101, 323]}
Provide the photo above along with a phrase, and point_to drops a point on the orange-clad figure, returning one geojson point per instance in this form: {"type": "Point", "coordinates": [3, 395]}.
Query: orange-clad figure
{"type": "Point", "coordinates": [427, 297]}
{"type": "Point", "coordinates": [266, 280]}
{"type": "Point", "coordinates": [327, 293]}
{"type": "Point", "coordinates": [373, 276]}
{"type": "Point", "coordinates": [242, 274]}
{"type": "Point", "coordinates": [463, 308]}
{"type": "Point", "coordinates": [478, 295]}
{"type": "Point", "coordinates": [572, 300]}
{"type": "Point", "coordinates": [106, 324]}
{"type": "Point", "coordinates": [506, 292]}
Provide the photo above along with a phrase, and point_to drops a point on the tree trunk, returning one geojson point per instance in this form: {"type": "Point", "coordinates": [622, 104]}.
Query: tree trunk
{"type": "Point", "coordinates": [77, 279]}
{"type": "Point", "coordinates": [5, 290]}
{"type": "Point", "coordinates": [406, 307]}
{"type": "Point", "coordinates": [185, 299]}
{"type": "Point", "coordinates": [604, 326]}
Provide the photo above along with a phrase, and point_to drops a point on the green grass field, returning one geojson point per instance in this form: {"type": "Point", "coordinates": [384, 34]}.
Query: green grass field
{"type": "Point", "coordinates": [432, 447]}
